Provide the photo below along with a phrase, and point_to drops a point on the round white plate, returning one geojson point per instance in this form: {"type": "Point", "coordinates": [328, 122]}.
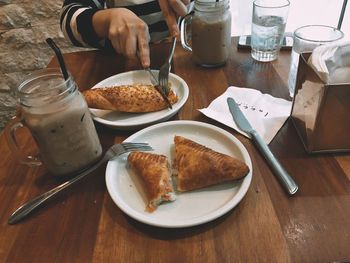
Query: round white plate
{"type": "Point", "coordinates": [190, 208]}
{"type": "Point", "coordinates": [132, 121]}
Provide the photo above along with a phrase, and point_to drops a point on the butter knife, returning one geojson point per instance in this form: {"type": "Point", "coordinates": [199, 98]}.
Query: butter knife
{"type": "Point", "coordinates": [282, 175]}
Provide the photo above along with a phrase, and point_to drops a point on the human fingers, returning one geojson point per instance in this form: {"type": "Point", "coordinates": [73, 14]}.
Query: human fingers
{"type": "Point", "coordinates": [119, 35]}
{"type": "Point", "coordinates": [130, 46]}
{"type": "Point", "coordinates": [120, 41]}
{"type": "Point", "coordinates": [169, 17]}
{"type": "Point", "coordinates": [134, 46]}
{"type": "Point", "coordinates": [143, 50]}
{"type": "Point", "coordinates": [125, 30]}
{"type": "Point", "coordinates": [179, 7]}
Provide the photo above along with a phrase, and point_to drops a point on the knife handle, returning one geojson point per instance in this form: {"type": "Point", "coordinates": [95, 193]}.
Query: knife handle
{"type": "Point", "coordinates": [284, 178]}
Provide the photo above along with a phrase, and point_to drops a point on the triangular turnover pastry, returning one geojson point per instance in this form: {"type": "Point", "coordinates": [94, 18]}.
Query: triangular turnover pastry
{"type": "Point", "coordinates": [154, 172]}
{"type": "Point", "coordinates": [198, 166]}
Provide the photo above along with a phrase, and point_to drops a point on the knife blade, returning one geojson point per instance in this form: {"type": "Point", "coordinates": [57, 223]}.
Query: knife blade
{"type": "Point", "coordinates": [282, 175]}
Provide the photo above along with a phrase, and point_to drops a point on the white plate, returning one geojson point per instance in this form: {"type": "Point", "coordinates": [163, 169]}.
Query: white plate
{"type": "Point", "coordinates": [132, 121]}
{"type": "Point", "coordinates": [190, 208]}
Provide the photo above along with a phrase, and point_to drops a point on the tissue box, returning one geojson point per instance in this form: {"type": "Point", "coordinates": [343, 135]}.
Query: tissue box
{"type": "Point", "coordinates": [321, 112]}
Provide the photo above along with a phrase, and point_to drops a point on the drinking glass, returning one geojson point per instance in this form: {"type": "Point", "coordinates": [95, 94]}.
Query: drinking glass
{"type": "Point", "coordinates": [269, 22]}
{"type": "Point", "coordinates": [210, 29]}
{"type": "Point", "coordinates": [306, 39]}
{"type": "Point", "coordinates": [58, 119]}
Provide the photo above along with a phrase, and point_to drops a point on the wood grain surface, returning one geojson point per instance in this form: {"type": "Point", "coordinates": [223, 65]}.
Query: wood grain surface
{"type": "Point", "coordinates": [84, 225]}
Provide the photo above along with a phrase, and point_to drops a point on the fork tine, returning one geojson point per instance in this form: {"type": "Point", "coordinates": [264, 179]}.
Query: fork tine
{"type": "Point", "coordinates": [137, 147]}
{"type": "Point", "coordinates": [135, 143]}
{"type": "Point", "coordinates": [144, 148]}
{"type": "Point", "coordinates": [119, 149]}
{"type": "Point", "coordinates": [128, 145]}
{"type": "Point", "coordinates": [163, 83]}
{"type": "Point", "coordinates": [126, 150]}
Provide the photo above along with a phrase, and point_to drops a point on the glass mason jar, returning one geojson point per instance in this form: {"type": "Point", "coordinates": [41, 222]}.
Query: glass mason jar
{"type": "Point", "coordinates": [210, 32]}
{"type": "Point", "coordinates": [59, 120]}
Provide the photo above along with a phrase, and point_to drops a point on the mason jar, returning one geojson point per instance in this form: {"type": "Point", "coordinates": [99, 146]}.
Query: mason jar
{"type": "Point", "coordinates": [59, 120]}
{"type": "Point", "coordinates": [210, 32]}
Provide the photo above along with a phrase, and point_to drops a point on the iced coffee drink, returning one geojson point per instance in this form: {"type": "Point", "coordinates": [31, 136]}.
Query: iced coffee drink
{"type": "Point", "coordinates": [210, 28]}
{"type": "Point", "coordinates": [211, 40]}
{"type": "Point", "coordinates": [59, 120]}
{"type": "Point", "coordinates": [66, 136]}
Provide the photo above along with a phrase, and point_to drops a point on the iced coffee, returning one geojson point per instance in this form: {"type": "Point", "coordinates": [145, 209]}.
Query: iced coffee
{"type": "Point", "coordinates": [66, 136]}
{"type": "Point", "coordinates": [210, 32]}
{"type": "Point", "coordinates": [59, 120]}
{"type": "Point", "coordinates": [211, 40]}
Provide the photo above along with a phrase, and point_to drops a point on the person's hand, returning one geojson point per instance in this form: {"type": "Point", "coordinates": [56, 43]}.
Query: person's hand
{"type": "Point", "coordinates": [126, 31]}
{"type": "Point", "coordinates": [171, 9]}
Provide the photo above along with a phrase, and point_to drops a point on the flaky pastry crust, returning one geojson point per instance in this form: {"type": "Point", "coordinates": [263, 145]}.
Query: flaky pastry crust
{"type": "Point", "coordinates": [154, 172]}
{"type": "Point", "coordinates": [198, 166]}
{"type": "Point", "coordinates": [128, 98]}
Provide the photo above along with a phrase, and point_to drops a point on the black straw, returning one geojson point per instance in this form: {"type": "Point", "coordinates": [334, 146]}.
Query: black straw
{"type": "Point", "coordinates": [59, 56]}
{"type": "Point", "coordinates": [341, 17]}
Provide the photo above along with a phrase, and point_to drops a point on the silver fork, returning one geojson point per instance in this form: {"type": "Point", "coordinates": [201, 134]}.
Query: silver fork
{"type": "Point", "coordinates": [163, 76]}
{"type": "Point", "coordinates": [113, 152]}
{"type": "Point", "coordinates": [159, 88]}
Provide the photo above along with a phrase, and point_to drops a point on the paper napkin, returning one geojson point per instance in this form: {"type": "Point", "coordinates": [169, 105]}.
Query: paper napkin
{"type": "Point", "coordinates": [332, 62]}
{"type": "Point", "coordinates": [265, 113]}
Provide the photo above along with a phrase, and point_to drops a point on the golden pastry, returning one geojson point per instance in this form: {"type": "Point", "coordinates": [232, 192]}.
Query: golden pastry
{"type": "Point", "coordinates": [128, 98]}
{"type": "Point", "coordinates": [198, 166]}
{"type": "Point", "coordinates": [154, 172]}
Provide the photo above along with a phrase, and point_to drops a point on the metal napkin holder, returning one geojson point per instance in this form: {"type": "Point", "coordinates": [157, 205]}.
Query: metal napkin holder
{"type": "Point", "coordinates": [320, 111]}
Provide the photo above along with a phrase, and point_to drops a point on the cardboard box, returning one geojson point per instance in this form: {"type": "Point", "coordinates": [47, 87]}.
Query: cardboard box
{"type": "Point", "coordinates": [321, 112]}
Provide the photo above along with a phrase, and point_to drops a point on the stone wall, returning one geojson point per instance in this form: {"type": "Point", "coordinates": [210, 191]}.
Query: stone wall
{"type": "Point", "coordinates": [24, 26]}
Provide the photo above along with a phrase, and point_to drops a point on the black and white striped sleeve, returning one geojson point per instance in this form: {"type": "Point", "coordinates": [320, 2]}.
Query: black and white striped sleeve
{"type": "Point", "coordinates": [76, 22]}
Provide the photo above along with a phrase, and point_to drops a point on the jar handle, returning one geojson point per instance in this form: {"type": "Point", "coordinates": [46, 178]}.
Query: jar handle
{"type": "Point", "coordinates": [183, 32]}
{"type": "Point", "coordinates": [10, 134]}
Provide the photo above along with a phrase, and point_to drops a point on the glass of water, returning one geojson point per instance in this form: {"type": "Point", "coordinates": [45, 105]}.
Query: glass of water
{"type": "Point", "coordinates": [269, 23]}
{"type": "Point", "coordinates": [306, 39]}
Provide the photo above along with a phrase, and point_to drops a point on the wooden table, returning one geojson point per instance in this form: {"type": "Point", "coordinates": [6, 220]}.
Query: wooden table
{"type": "Point", "coordinates": [84, 225]}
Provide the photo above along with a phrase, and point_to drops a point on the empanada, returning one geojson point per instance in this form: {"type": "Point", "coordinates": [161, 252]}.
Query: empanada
{"type": "Point", "coordinates": [154, 172]}
{"type": "Point", "coordinates": [128, 98]}
{"type": "Point", "coordinates": [198, 166]}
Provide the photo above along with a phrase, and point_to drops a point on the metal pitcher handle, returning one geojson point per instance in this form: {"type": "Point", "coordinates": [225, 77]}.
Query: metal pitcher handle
{"type": "Point", "coordinates": [183, 31]}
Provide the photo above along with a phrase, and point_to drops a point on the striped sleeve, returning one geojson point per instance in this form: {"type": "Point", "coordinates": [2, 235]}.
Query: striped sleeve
{"type": "Point", "coordinates": [76, 22]}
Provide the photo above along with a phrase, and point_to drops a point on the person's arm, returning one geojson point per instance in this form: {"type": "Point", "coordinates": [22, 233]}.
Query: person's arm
{"type": "Point", "coordinates": [76, 22]}
{"type": "Point", "coordinates": [86, 23]}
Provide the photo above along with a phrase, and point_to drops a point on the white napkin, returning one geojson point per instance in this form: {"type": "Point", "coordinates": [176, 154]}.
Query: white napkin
{"type": "Point", "coordinates": [265, 113]}
{"type": "Point", "coordinates": [332, 62]}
